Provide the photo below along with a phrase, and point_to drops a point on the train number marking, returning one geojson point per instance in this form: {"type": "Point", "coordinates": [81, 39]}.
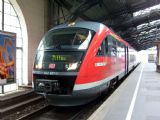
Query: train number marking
{"type": "Point", "coordinates": [100, 64]}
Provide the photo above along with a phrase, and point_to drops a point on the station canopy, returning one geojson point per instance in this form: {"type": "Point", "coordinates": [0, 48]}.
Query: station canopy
{"type": "Point", "coordinates": [136, 21]}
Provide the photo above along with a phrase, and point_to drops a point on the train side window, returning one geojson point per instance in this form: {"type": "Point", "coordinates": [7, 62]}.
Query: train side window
{"type": "Point", "coordinates": [100, 51]}
{"type": "Point", "coordinates": [120, 49]}
{"type": "Point", "coordinates": [113, 52]}
{"type": "Point", "coordinates": [112, 46]}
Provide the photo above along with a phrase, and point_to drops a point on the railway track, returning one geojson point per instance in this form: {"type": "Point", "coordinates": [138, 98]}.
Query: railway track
{"type": "Point", "coordinates": [34, 113]}
{"type": "Point", "coordinates": [66, 113]}
{"type": "Point", "coordinates": [69, 113]}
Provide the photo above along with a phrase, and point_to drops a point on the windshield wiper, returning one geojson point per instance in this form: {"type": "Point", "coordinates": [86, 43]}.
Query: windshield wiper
{"type": "Point", "coordinates": [53, 47]}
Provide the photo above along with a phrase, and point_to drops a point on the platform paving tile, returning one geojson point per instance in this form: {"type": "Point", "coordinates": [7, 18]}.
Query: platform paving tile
{"type": "Point", "coordinates": [153, 118]}
{"type": "Point", "coordinates": [147, 105]}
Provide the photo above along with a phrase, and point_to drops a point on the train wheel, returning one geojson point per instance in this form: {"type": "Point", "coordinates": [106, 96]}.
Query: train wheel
{"type": "Point", "coordinates": [111, 87]}
{"type": "Point", "coordinates": [113, 83]}
{"type": "Point", "coordinates": [105, 92]}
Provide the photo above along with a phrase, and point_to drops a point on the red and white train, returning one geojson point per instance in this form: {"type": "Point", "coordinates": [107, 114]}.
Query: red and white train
{"type": "Point", "coordinates": [76, 62]}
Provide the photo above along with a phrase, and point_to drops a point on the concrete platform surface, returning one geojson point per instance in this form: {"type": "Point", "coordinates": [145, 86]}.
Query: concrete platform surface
{"type": "Point", "coordinates": [137, 98]}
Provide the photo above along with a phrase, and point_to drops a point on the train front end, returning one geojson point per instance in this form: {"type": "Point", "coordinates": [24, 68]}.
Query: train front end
{"type": "Point", "coordinates": [57, 63]}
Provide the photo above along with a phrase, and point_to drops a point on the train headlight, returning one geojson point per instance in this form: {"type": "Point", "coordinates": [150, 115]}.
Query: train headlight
{"type": "Point", "coordinates": [38, 66]}
{"type": "Point", "coordinates": [72, 66]}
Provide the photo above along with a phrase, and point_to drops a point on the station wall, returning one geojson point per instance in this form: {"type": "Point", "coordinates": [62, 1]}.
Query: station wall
{"type": "Point", "coordinates": [33, 15]}
{"type": "Point", "coordinates": [36, 18]}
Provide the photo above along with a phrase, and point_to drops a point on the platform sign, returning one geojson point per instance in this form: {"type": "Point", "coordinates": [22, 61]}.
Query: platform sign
{"type": "Point", "coordinates": [7, 57]}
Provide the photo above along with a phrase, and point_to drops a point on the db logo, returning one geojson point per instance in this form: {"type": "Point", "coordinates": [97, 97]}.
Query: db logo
{"type": "Point", "coordinates": [52, 66]}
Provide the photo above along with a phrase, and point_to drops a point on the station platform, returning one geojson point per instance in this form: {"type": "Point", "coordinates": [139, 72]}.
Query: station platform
{"type": "Point", "coordinates": [137, 98]}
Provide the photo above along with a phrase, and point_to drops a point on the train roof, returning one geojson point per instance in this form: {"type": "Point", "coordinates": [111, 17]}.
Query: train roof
{"type": "Point", "coordinates": [95, 26]}
{"type": "Point", "coordinates": [83, 24]}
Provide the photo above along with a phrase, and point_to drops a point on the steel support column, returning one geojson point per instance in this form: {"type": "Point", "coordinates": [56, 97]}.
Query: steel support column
{"type": "Point", "coordinates": [2, 14]}
{"type": "Point", "coordinates": [158, 56]}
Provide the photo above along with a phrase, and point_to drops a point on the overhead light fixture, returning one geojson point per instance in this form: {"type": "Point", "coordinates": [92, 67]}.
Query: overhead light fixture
{"type": "Point", "coordinates": [71, 24]}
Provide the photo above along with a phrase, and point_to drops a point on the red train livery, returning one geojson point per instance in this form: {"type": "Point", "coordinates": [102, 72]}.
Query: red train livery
{"type": "Point", "coordinates": [76, 62]}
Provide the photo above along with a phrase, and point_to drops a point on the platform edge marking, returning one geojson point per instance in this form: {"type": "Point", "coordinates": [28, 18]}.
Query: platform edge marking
{"type": "Point", "coordinates": [130, 111]}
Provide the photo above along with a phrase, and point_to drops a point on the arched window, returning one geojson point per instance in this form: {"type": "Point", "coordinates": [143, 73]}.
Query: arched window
{"type": "Point", "coordinates": [9, 21]}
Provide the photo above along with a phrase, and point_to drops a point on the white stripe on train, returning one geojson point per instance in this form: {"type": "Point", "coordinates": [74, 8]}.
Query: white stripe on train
{"type": "Point", "coordinates": [97, 83]}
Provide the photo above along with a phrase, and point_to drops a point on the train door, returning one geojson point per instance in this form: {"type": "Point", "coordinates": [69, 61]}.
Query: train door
{"type": "Point", "coordinates": [126, 60]}
{"type": "Point", "coordinates": [99, 61]}
{"type": "Point", "coordinates": [112, 46]}
{"type": "Point", "coordinates": [108, 69]}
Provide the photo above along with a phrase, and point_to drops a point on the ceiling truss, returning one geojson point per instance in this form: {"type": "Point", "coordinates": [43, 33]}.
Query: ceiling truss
{"type": "Point", "coordinates": [140, 31]}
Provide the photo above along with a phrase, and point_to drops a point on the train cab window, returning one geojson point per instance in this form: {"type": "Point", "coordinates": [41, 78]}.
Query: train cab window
{"type": "Point", "coordinates": [100, 51]}
{"type": "Point", "coordinates": [106, 46]}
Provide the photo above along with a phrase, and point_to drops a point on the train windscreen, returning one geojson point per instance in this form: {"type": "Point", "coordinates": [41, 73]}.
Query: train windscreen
{"type": "Point", "coordinates": [63, 50]}
{"type": "Point", "coordinates": [67, 38]}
